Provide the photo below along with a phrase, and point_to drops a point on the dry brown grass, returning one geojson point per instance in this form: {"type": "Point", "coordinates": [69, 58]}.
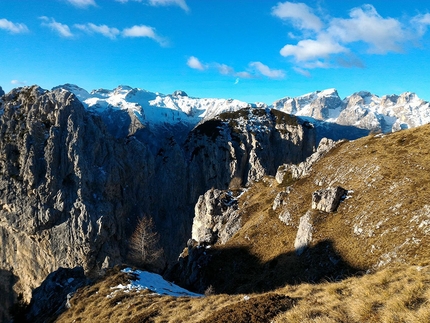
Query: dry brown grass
{"type": "Point", "coordinates": [397, 294]}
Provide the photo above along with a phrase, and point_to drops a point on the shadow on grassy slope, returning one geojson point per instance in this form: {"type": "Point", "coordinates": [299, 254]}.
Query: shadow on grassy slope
{"type": "Point", "coordinates": [234, 270]}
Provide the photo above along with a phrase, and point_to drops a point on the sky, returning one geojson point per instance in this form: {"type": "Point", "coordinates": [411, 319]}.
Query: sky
{"type": "Point", "coordinates": [251, 50]}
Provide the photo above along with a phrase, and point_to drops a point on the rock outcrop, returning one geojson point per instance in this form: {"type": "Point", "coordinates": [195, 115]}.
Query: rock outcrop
{"type": "Point", "coordinates": [328, 200]}
{"type": "Point", "coordinates": [1, 91]}
{"type": "Point", "coordinates": [304, 233]}
{"type": "Point", "coordinates": [216, 218]}
{"type": "Point", "coordinates": [296, 171]}
{"type": "Point", "coordinates": [280, 199]}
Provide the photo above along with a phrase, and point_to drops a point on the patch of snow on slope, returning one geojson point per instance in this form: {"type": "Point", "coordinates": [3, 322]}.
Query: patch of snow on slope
{"type": "Point", "coordinates": [154, 283]}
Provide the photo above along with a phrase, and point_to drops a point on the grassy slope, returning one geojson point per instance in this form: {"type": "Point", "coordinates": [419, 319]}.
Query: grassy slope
{"type": "Point", "coordinates": [386, 217]}
{"type": "Point", "coordinates": [383, 228]}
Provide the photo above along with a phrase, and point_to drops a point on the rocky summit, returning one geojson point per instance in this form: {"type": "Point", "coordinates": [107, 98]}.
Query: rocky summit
{"type": "Point", "coordinates": [246, 189]}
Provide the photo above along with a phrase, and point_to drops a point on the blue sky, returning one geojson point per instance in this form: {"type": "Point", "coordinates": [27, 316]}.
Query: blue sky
{"type": "Point", "coordinates": [252, 50]}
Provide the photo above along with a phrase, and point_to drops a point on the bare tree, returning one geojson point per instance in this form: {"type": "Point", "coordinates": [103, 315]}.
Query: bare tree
{"type": "Point", "coordinates": [145, 250]}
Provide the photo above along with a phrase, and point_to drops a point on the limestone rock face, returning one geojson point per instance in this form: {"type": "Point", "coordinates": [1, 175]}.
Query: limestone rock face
{"type": "Point", "coordinates": [296, 171]}
{"type": "Point", "coordinates": [216, 218]}
{"type": "Point", "coordinates": [63, 180]}
{"type": "Point", "coordinates": [327, 200]}
{"type": "Point", "coordinates": [304, 233]}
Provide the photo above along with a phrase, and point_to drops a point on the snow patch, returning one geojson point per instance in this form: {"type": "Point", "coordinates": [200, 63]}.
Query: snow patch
{"type": "Point", "coordinates": [154, 283]}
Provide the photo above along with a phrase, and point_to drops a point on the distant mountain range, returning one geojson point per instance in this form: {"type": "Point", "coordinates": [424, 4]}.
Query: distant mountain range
{"type": "Point", "coordinates": [362, 110]}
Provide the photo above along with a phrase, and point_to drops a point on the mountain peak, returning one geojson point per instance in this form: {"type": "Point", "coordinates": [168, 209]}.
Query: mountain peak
{"type": "Point", "coordinates": [179, 93]}
{"type": "Point", "coordinates": [328, 92]}
{"type": "Point", "coordinates": [79, 92]}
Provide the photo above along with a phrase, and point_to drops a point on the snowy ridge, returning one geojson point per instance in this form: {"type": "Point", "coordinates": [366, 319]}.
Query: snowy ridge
{"type": "Point", "coordinates": [154, 283]}
{"type": "Point", "coordinates": [155, 108]}
{"type": "Point", "coordinates": [362, 109]}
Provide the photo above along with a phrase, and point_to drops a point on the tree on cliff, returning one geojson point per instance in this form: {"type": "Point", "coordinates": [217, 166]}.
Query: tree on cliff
{"type": "Point", "coordinates": [145, 250]}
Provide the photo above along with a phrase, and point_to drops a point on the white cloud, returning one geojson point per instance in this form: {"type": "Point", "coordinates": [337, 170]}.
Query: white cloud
{"type": "Point", "coordinates": [125, 1]}
{"type": "Point", "coordinates": [14, 28]}
{"type": "Point", "coordinates": [302, 71]}
{"type": "Point", "coordinates": [180, 3]}
{"type": "Point", "coordinates": [143, 31]}
{"type": "Point", "coordinates": [424, 19]}
{"type": "Point", "coordinates": [266, 71]}
{"type": "Point", "coordinates": [421, 22]}
{"type": "Point", "coordinates": [256, 69]}
{"type": "Point", "coordinates": [381, 34]}
{"type": "Point", "coordinates": [243, 75]}
{"type": "Point", "coordinates": [62, 29]}
{"type": "Point", "coordinates": [17, 82]}
{"type": "Point", "coordinates": [300, 14]}
{"type": "Point", "coordinates": [228, 70]}
{"type": "Point", "coordinates": [335, 45]}
{"type": "Point", "coordinates": [310, 49]}
{"type": "Point", "coordinates": [82, 3]}
{"type": "Point", "coordinates": [195, 63]}
{"type": "Point", "coordinates": [99, 29]}
{"type": "Point", "coordinates": [224, 69]}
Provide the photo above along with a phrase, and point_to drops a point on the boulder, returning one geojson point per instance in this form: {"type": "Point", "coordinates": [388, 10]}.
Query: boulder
{"type": "Point", "coordinates": [285, 217]}
{"type": "Point", "coordinates": [328, 200]}
{"type": "Point", "coordinates": [304, 233]}
{"type": "Point", "coordinates": [280, 199]}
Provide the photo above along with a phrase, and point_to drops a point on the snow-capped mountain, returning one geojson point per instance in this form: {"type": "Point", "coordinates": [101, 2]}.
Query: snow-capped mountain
{"type": "Point", "coordinates": [150, 107]}
{"type": "Point", "coordinates": [363, 109]}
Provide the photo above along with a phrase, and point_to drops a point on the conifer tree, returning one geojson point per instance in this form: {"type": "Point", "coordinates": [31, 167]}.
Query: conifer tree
{"type": "Point", "coordinates": [145, 250]}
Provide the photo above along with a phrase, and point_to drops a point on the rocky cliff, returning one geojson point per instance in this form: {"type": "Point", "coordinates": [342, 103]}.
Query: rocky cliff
{"type": "Point", "coordinates": [72, 189]}
{"type": "Point", "coordinates": [67, 193]}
